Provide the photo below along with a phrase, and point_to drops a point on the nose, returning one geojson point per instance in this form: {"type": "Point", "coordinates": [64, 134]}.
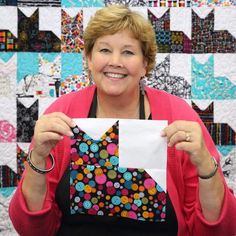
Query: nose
{"type": "Point", "coordinates": [115, 60]}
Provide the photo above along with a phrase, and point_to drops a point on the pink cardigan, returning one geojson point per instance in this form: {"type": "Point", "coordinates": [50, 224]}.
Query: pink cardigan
{"type": "Point", "coordinates": [182, 180]}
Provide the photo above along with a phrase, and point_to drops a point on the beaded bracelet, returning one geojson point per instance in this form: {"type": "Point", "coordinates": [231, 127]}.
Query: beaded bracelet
{"type": "Point", "coordinates": [212, 173]}
{"type": "Point", "coordinates": [37, 169]}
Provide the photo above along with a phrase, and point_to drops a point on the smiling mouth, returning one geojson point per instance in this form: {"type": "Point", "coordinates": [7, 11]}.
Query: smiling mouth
{"type": "Point", "coordinates": [115, 75]}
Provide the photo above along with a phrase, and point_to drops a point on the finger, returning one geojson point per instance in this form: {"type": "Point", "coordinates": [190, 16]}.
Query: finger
{"type": "Point", "coordinates": [192, 148]}
{"type": "Point", "coordinates": [49, 136]}
{"type": "Point", "coordinates": [63, 117]}
{"type": "Point", "coordinates": [177, 137]}
{"type": "Point", "coordinates": [176, 126]}
{"type": "Point", "coordinates": [56, 125]}
{"type": "Point", "coordinates": [183, 146]}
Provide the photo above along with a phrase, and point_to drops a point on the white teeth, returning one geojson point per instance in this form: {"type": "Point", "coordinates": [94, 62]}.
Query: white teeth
{"type": "Point", "coordinates": [113, 75]}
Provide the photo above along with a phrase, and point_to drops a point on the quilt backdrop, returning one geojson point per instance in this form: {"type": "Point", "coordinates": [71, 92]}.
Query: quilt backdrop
{"type": "Point", "coordinates": [41, 58]}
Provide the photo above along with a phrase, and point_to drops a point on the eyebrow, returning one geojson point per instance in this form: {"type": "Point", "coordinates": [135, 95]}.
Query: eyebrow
{"type": "Point", "coordinates": [125, 46]}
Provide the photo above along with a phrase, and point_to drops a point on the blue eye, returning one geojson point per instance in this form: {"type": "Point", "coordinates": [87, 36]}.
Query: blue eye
{"type": "Point", "coordinates": [128, 52]}
{"type": "Point", "coordinates": [104, 50]}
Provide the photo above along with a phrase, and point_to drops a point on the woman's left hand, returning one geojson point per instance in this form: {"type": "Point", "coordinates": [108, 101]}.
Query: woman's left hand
{"type": "Point", "coordinates": [187, 136]}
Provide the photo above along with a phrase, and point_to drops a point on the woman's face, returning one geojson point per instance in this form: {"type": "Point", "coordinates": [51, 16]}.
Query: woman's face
{"type": "Point", "coordinates": [117, 64]}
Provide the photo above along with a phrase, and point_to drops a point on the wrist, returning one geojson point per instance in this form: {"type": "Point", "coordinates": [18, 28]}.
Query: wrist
{"type": "Point", "coordinates": [209, 169]}
{"type": "Point", "coordinates": [39, 165]}
{"type": "Point", "coordinates": [36, 159]}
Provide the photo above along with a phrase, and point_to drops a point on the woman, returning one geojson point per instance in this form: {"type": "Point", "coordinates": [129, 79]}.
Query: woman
{"type": "Point", "coordinates": [120, 50]}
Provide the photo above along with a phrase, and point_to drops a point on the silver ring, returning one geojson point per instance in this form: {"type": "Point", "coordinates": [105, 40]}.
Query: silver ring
{"type": "Point", "coordinates": [187, 137]}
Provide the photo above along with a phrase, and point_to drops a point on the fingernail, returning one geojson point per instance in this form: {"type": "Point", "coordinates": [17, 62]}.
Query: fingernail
{"type": "Point", "coordinates": [70, 134]}
{"type": "Point", "coordinates": [73, 124]}
{"type": "Point", "coordinates": [163, 134]}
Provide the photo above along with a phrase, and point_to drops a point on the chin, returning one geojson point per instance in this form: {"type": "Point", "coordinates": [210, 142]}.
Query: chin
{"type": "Point", "coordinates": [114, 94]}
{"type": "Point", "coordinates": [113, 91]}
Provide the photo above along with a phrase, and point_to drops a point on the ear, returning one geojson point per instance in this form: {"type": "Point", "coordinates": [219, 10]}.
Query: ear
{"type": "Point", "coordinates": [145, 63]}
{"type": "Point", "coordinates": [88, 59]}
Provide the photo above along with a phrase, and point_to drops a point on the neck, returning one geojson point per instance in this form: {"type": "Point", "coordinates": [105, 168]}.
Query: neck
{"type": "Point", "coordinates": [118, 107]}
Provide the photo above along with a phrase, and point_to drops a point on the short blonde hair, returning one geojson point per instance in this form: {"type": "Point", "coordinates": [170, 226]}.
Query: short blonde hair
{"type": "Point", "coordinates": [115, 18]}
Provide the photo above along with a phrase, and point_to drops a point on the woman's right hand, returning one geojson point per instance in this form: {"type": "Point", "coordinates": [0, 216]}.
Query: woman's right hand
{"type": "Point", "coordinates": [48, 131]}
